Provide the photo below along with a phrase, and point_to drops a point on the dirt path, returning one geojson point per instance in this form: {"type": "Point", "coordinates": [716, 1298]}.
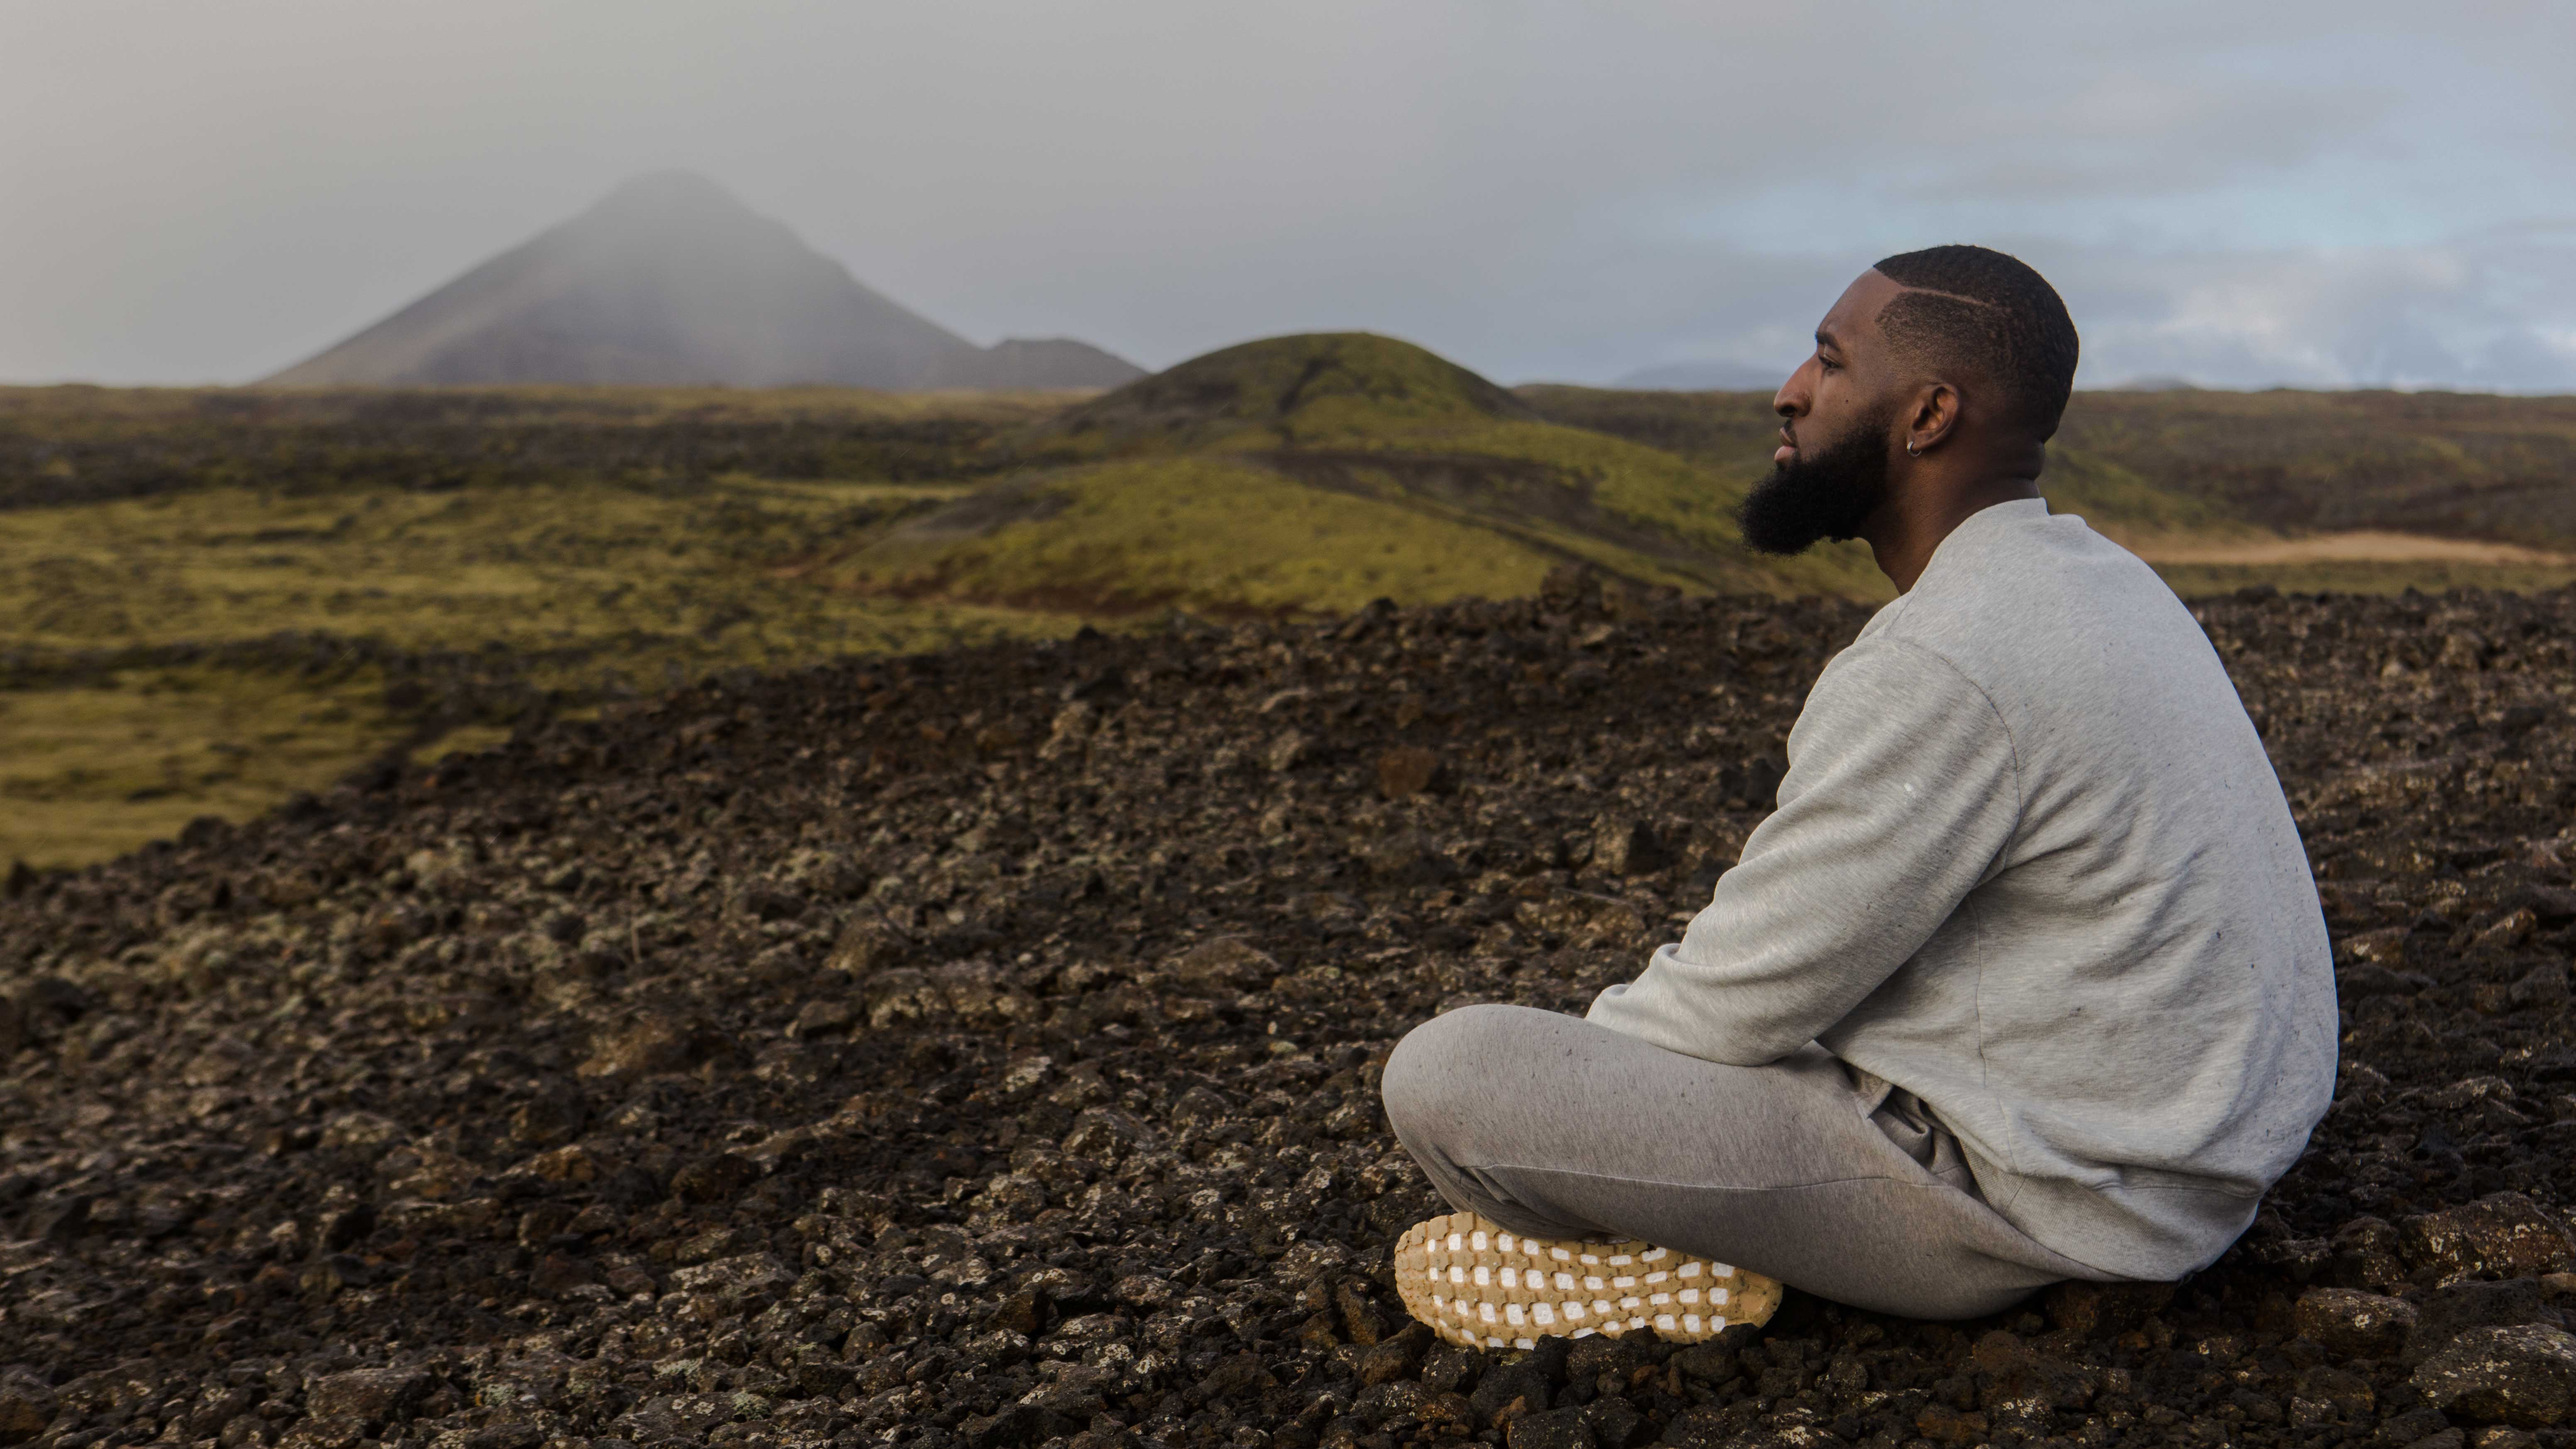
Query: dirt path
{"type": "Point", "coordinates": [2360, 546]}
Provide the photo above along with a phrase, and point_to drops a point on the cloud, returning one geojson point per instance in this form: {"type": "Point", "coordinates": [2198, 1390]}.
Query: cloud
{"type": "Point", "coordinates": [2303, 191]}
{"type": "Point", "coordinates": [2480, 312]}
{"type": "Point", "coordinates": [2133, 136]}
{"type": "Point", "coordinates": [2495, 311]}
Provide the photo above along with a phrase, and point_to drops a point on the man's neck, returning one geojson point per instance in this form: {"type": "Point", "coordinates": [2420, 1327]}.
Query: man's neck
{"type": "Point", "coordinates": [1916, 521]}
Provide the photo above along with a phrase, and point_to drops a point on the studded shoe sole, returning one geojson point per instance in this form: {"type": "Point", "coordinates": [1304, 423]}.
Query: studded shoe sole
{"type": "Point", "coordinates": [1484, 1286]}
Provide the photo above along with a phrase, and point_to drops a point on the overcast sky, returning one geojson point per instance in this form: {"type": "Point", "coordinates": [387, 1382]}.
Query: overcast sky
{"type": "Point", "coordinates": [2322, 194]}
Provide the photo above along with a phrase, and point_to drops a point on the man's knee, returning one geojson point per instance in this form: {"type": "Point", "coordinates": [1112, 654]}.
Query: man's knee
{"type": "Point", "coordinates": [1444, 1068]}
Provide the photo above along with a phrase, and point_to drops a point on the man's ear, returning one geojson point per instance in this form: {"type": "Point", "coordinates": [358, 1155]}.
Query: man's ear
{"type": "Point", "coordinates": [1936, 412]}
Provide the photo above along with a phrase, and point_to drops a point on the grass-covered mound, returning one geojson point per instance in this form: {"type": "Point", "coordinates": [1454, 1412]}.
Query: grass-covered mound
{"type": "Point", "coordinates": [1313, 389]}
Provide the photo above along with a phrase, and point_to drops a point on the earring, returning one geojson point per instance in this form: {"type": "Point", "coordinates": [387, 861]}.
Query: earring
{"type": "Point", "coordinates": [1914, 450]}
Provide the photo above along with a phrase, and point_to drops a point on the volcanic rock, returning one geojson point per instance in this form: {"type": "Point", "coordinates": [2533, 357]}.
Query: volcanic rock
{"type": "Point", "coordinates": [27, 1407]}
{"type": "Point", "coordinates": [1506, 1393]}
{"type": "Point", "coordinates": [2503, 1233]}
{"type": "Point", "coordinates": [1407, 770]}
{"type": "Point", "coordinates": [1626, 846]}
{"type": "Point", "coordinates": [2455, 1308]}
{"type": "Point", "coordinates": [1228, 963]}
{"type": "Point", "coordinates": [370, 1396]}
{"type": "Point", "coordinates": [1552, 1429]}
{"type": "Point", "coordinates": [2525, 1376]}
{"type": "Point", "coordinates": [2355, 1325]}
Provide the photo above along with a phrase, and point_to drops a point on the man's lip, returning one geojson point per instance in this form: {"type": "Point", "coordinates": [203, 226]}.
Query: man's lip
{"type": "Point", "coordinates": [1784, 452]}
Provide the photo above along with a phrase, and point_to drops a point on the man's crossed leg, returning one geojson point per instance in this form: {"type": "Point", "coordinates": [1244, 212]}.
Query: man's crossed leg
{"type": "Point", "coordinates": [1804, 1170]}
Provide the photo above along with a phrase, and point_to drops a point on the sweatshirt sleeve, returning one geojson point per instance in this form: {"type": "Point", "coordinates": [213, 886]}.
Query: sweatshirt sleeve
{"type": "Point", "coordinates": [1903, 790]}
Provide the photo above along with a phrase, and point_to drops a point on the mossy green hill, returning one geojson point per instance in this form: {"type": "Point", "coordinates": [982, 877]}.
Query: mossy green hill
{"type": "Point", "coordinates": [1320, 472]}
{"type": "Point", "coordinates": [1312, 389]}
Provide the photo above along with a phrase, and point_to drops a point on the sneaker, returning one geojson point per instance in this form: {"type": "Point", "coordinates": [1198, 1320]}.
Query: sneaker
{"type": "Point", "coordinates": [1483, 1286]}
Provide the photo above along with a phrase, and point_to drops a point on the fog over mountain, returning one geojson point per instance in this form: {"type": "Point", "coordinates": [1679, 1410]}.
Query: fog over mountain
{"type": "Point", "coordinates": [671, 280]}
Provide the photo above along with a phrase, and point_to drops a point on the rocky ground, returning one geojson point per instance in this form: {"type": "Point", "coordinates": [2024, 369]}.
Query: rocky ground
{"type": "Point", "coordinates": [980, 1049]}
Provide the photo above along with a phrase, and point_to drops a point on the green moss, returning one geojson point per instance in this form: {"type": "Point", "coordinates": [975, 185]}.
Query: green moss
{"type": "Point", "coordinates": [91, 771]}
{"type": "Point", "coordinates": [649, 583]}
{"type": "Point", "coordinates": [578, 590]}
{"type": "Point", "coordinates": [1691, 502]}
{"type": "Point", "coordinates": [1208, 534]}
{"type": "Point", "coordinates": [2115, 500]}
{"type": "Point", "coordinates": [463, 740]}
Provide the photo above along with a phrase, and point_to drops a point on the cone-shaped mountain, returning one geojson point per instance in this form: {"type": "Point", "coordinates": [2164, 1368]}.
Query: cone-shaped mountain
{"type": "Point", "coordinates": [670, 280]}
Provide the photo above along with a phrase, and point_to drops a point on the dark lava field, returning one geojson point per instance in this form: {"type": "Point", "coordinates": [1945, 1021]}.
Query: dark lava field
{"type": "Point", "coordinates": [981, 1049]}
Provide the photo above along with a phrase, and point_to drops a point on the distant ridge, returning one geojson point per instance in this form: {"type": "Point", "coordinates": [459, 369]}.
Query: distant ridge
{"type": "Point", "coordinates": [1705, 377]}
{"type": "Point", "coordinates": [2153, 382]}
{"type": "Point", "coordinates": [1025, 362]}
{"type": "Point", "coordinates": [670, 280]}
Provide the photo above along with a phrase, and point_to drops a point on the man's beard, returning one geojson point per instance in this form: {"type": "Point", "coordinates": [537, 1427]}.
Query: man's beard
{"type": "Point", "coordinates": [1819, 495]}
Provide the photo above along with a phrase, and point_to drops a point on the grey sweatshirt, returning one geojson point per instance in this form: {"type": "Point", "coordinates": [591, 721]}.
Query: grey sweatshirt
{"type": "Point", "coordinates": [2031, 864]}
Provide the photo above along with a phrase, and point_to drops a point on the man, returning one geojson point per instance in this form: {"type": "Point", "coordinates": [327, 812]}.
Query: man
{"type": "Point", "coordinates": [2024, 980]}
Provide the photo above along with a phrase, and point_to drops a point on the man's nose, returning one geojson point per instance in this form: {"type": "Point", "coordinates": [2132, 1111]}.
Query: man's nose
{"type": "Point", "coordinates": [1791, 400]}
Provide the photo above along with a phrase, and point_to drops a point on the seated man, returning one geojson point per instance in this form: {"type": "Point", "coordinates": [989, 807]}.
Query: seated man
{"type": "Point", "coordinates": [2025, 979]}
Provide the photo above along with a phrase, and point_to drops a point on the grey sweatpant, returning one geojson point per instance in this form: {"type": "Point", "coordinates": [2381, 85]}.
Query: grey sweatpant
{"type": "Point", "coordinates": [1805, 1170]}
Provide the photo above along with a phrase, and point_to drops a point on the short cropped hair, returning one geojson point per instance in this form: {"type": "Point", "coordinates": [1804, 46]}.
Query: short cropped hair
{"type": "Point", "coordinates": [1977, 309]}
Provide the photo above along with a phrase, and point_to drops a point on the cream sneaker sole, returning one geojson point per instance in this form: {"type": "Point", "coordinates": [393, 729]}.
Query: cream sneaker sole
{"type": "Point", "coordinates": [1484, 1286]}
